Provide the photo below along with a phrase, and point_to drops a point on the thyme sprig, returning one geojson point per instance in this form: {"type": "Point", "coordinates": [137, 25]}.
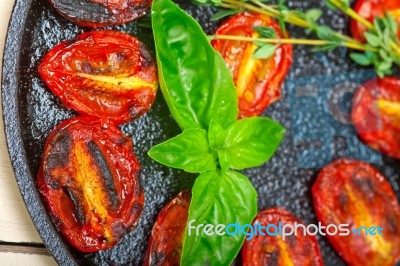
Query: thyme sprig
{"type": "Point", "coordinates": [382, 34]}
{"type": "Point", "coordinates": [382, 49]}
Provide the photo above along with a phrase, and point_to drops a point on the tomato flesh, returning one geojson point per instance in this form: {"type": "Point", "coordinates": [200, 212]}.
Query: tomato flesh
{"type": "Point", "coordinates": [376, 115]}
{"type": "Point", "coordinates": [101, 13]}
{"type": "Point", "coordinates": [297, 250]}
{"type": "Point", "coordinates": [354, 193]}
{"type": "Point", "coordinates": [102, 74]}
{"type": "Point", "coordinates": [370, 9]}
{"type": "Point", "coordinates": [166, 240]}
{"type": "Point", "coordinates": [89, 177]}
{"type": "Point", "coordinates": [258, 81]}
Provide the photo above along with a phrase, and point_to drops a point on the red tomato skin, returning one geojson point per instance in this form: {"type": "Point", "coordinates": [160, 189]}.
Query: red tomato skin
{"type": "Point", "coordinates": [102, 74]}
{"type": "Point", "coordinates": [267, 75]}
{"type": "Point", "coordinates": [166, 240]}
{"type": "Point", "coordinates": [115, 12]}
{"type": "Point", "coordinates": [89, 179]}
{"type": "Point", "coordinates": [266, 250]}
{"type": "Point", "coordinates": [369, 9]}
{"type": "Point", "coordinates": [352, 192]}
{"type": "Point", "coordinates": [372, 125]}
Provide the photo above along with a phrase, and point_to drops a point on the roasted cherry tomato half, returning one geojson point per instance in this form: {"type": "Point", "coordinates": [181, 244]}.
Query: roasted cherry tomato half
{"type": "Point", "coordinates": [101, 13]}
{"type": "Point", "coordinates": [353, 193]}
{"type": "Point", "coordinates": [376, 115]}
{"type": "Point", "coordinates": [267, 249]}
{"type": "Point", "coordinates": [89, 177]}
{"type": "Point", "coordinates": [370, 9]}
{"type": "Point", "coordinates": [166, 240]}
{"type": "Point", "coordinates": [103, 74]}
{"type": "Point", "coordinates": [258, 81]}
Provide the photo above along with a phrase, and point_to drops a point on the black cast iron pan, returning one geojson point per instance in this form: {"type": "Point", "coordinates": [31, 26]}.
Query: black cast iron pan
{"type": "Point", "coordinates": [317, 97]}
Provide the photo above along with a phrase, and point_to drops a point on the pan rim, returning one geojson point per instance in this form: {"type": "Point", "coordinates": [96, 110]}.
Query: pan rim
{"type": "Point", "coordinates": [17, 154]}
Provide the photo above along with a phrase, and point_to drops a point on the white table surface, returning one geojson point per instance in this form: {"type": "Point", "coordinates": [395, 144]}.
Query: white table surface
{"type": "Point", "coordinates": [17, 232]}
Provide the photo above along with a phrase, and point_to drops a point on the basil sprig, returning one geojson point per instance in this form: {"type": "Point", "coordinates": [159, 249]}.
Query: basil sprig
{"type": "Point", "coordinates": [201, 96]}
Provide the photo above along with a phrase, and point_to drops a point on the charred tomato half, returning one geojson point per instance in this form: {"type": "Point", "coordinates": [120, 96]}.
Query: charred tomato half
{"type": "Point", "coordinates": [89, 177]}
{"type": "Point", "coordinates": [101, 13]}
{"type": "Point", "coordinates": [102, 74]}
{"type": "Point", "coordinates": [167, 236]}
{"type": "Point", "coordinates": [354, 193]}
{"type": "Point", "coordinates": [267, 249]}
{"type": "Point", "coordinates": [258, 81]}
{"type": "Point", "coordinates": [376, 115]}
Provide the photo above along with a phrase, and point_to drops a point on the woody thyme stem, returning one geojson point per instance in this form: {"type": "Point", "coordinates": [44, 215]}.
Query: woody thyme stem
{"type": "Point", "coordinates": [262, 8]}
{"type": "Point", "coordinates": [283, 41]}
{"type": "Point", "coordinates": [350, 12]}
{"type": "Point", "coordinates": [271, 11]}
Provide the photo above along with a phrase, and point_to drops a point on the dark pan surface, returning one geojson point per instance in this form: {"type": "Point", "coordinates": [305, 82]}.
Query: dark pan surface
{"type": "Point", "coordinates": [315, 118]}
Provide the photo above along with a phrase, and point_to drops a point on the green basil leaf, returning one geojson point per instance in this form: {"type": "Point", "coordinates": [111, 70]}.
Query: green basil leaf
{"type": "Point", "coordinates": [216, 135]}
{"type": "Point", "coordinates": [250, 142]}
{"type": "Point", "coordinates": [218, 198]}
{"type": "Point", "coordinates": [188, 151]}
{"type": "Point", "coordinates": [195, 81]}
